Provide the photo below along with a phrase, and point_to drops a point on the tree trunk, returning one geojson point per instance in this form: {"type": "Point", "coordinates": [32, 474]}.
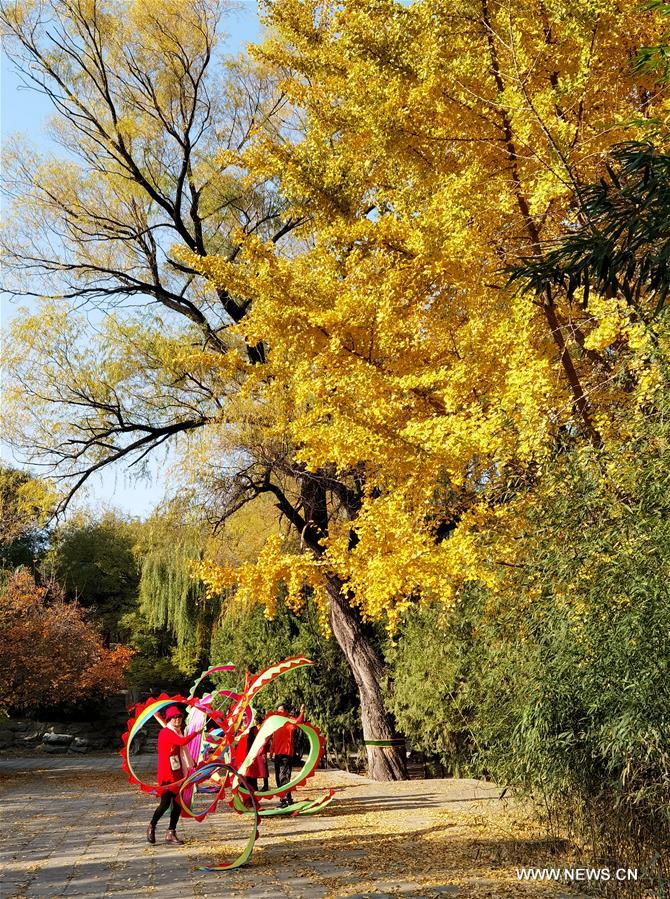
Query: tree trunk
{"type": "Point", "coordinates": [367, 667]}
{"type": "Point", "coordinates": [384, 762]}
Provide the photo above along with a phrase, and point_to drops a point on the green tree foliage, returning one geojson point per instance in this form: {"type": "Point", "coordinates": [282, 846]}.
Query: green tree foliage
{"type": "Point", "coordinates": [435, 672]}
{"type": "Point", "coordinates": [94, 561]}
{"type": "Point", "coordinates": [135, 580]}
{"type": "Point", "coordinates": [24, 504]}
{"type": "Point", "coordinates": [155, 665]}
{"type": "Point", "coordinates": [251, 641]}
{"type": "Point", "coordinates": [560, 681]}
{"type": "Point", "coordinates": [172, 598]}
{"type": "Point", "coordinates": [588, 687]}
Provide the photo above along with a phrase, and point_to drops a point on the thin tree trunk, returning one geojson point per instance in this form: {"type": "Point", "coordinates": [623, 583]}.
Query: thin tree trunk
{"type": "Point", "coordinates": [581, 403]}
{"type": "Point", "coordinates": [384, 762]}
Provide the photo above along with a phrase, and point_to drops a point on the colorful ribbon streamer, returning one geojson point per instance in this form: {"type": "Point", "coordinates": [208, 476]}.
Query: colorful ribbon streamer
{"type": "Point", "coordinates": [213, 751]}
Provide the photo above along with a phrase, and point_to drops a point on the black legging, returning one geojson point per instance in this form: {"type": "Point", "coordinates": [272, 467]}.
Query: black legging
{"type": "Point", "coordinates": [283, 772]}
{"type": "Point", "coordinates": [167, 799]}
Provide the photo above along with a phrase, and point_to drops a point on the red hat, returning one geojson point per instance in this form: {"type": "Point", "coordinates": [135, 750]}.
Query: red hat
{"type": "Point", "coordinates": [173, 712]}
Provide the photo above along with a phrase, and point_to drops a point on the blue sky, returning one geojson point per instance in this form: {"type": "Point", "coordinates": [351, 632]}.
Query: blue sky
{"type": "Point", "coordinates": [23, 110]}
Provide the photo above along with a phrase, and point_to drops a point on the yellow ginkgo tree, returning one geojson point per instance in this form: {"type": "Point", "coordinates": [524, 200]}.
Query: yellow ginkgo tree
{"type": "Point", "coordinates": [320, 264]}
{"type": "Point", "coordinates": [442, 142]}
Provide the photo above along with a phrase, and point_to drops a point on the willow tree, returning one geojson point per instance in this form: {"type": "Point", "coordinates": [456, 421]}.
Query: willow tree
{"type": "Point", "coordinates": [412, 152]}
{"type": "Point", "coordinates": [171, 598]}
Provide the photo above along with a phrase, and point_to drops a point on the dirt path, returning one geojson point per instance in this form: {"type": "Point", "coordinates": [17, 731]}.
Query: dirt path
{"type": "Point", "coordinates": [74, 827]}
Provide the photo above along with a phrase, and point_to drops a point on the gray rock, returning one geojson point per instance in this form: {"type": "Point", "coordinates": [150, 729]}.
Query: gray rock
{"type": "Point", "coordinates": [79, 744]}
{"type": "Point", "coordinates": [6, 738]}
{"type": "Point", "coordinates": [56, 742]}
{"type": "Point", "coordinates": [51, 739]}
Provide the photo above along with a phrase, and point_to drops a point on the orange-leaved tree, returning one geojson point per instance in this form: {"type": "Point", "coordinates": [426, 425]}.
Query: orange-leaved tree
{"type": "Point", "coordinates": [49, 653]}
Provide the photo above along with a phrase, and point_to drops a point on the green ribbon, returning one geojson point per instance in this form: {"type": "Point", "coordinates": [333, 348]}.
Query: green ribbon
{"type": "Point", "coordinates": [393, 743]}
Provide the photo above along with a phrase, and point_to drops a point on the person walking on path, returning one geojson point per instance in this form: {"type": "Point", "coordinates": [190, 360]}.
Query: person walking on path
{"type": "Point", "coordinates": [281, 749]}
{"type": "Point", "coordinates": [174, 763]}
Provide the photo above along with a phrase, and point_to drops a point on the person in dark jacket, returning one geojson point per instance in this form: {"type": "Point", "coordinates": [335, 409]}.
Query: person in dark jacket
{"type": "Point", "coordinates": [281, 749]}
{"type": "Point", "coordinates": [174, 763]}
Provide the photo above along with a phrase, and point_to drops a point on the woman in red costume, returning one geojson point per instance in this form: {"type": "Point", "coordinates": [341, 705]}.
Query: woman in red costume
{"type": "Point", "coordinates": [174, 763]}
{"type": "Point", "coordinates": [281, 749]}
{"type": "Point", "coordinates": [258, 769]}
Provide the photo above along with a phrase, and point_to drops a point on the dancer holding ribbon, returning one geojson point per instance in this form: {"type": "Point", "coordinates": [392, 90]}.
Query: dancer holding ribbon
{"type": "Point", "coordinates": [229, 770]}
{"type": "Point", "coordinates": [174, 764]}
{"type": "Point", "coordinates": [281, 749]}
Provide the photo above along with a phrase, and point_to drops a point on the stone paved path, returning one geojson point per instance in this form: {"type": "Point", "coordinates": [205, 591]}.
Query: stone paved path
{"type": "Point", "coordinates": [72, 826]}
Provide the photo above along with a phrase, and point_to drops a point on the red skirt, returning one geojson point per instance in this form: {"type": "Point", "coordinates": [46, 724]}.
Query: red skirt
{"type": "Point", "coordinates": [259, 767]}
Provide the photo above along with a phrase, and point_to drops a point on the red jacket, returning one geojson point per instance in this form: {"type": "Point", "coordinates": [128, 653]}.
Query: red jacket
{"type": "Point", "coordinates": [240, 750]}
{"type": "Point", "coordinates": [168, 746]}
{"type": "Point", "coordinates": [282, 739]}
{"type": "Point", "coordinates": [259, 766]}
